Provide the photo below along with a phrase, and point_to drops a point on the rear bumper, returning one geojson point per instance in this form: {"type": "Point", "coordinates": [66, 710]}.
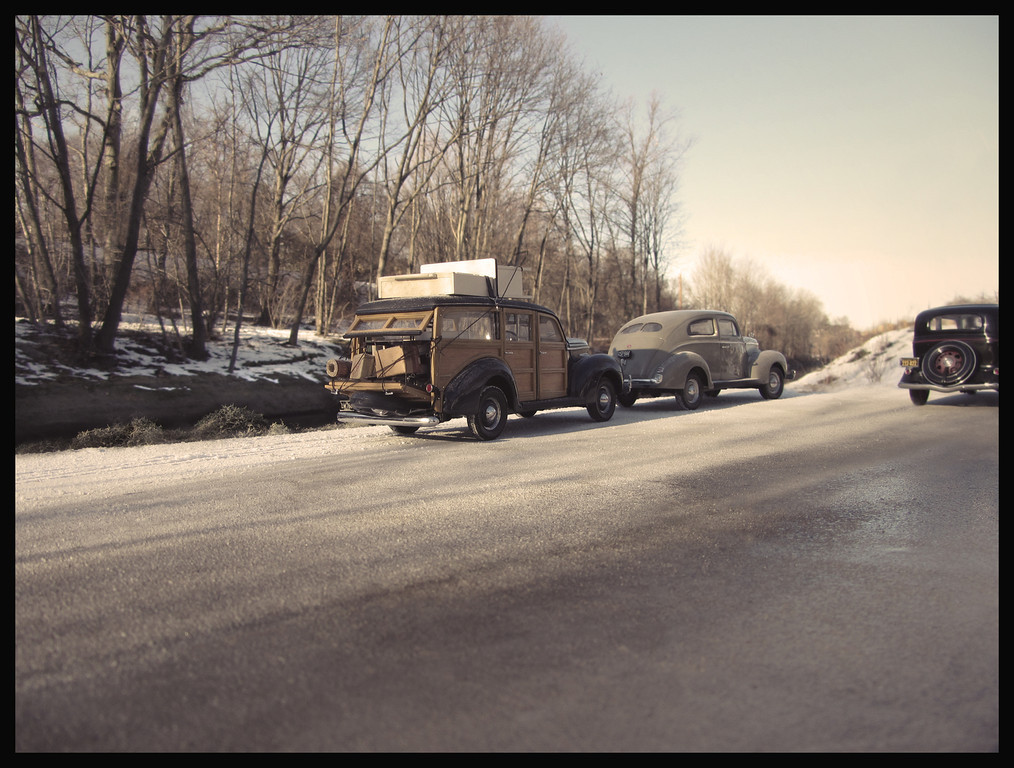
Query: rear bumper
{"type": "Point", "coordinates": [991, 385]}
{"type": "Point", "coordinates": [390, 421]}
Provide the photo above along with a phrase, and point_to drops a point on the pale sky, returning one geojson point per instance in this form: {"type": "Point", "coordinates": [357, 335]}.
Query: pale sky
{"type": "Point", "coordinates": [856, 157]}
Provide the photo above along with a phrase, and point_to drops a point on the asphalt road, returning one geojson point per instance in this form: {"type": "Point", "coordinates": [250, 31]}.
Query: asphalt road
{"type": "Point", "coordinates": [818, 573]}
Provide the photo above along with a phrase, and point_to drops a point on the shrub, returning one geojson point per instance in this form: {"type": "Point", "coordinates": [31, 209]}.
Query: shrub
{"type": "Point", "coordinates": [137, 432]}
{"type": "Point", "coordinates": [230, 421]}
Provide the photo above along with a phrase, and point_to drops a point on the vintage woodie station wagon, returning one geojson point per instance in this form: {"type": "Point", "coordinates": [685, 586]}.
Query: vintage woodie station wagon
{"type": "Point", "coordinates": [460, 339]}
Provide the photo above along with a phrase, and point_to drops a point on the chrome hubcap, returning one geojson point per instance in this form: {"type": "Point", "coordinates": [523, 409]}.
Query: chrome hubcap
{"type": "Point", "coordinates": [492, 414]}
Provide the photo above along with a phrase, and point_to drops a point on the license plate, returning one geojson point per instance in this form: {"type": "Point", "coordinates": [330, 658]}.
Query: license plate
{"type": "Point", "coordinates": [910, 362]}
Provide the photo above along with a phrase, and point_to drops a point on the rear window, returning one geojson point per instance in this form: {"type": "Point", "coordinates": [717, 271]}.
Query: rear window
{"type": "Point", "coordinates": [408, 324]}
{"type": "Point", "coordinates": [955, 322]}
{"type": "Point", "coordinates": [643, 327]}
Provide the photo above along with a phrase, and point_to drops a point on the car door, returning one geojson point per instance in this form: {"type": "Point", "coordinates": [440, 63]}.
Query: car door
{"type": "Point", "coordinates": [519, 351]}
{"type": "Point", "coordinates": [702, 339]}
{"type": "Point", "coordinates": [464, 335]}
{"type": "Point", "coordinates": [552, 358]}
{"type": "Point", "coordinates": [733, 351]}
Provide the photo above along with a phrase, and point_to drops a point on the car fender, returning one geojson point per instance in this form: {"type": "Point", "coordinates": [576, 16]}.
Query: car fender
{"type": "Point", "coordinates": [678, 366]}
{"type": "Point", "coordinates": [587, 370]}
{"type": "Point", "coordinates": [461, 395]}
{"type": "Point", "coordinates": [765, 361]}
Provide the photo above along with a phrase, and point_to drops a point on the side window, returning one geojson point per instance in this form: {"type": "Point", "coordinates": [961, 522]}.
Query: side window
{"type": "Point", "coordinates": [727, 327]}
{"type": "Point", "coordinates": [549, 329]}
{"type": "Point", "coordinates": [474, 325]}
{"type": "Point", "coordinates": [705, 327]}
{"type": "Point", "coordinates": [518, 326]}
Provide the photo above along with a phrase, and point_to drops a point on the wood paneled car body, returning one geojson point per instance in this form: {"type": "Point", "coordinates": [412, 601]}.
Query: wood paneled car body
{"type": "Point", "coordinates": [954, 349]}
{"type": "Point", "coordinates": [691, 353]}
{"type": "Point", "coordinates": [457, 343]}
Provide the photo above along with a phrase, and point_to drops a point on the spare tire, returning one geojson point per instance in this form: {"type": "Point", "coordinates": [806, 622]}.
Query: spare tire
{"type": "Point", "coordinates": [338, 369]}
{"type": "Point", "coordinates": [949, 363]}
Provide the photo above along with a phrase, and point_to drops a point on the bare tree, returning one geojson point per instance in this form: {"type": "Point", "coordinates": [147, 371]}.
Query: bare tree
{"type": "Point", "coordinates": [150, 47]}
{"type": "Point", "coordinates": [650, 163]}
{"type": "Point", "coordinates": [27, 204]}
{"type": "Point", "coordinates": [283, 97]}
{"type": "Point", "coordinates": [777, 316]}
{"type": "Point", "coordinates": [585, 157]}
{"type": "Point", "coordinates": [416, 145]}
{"type": "Point", "coordinates": [380, 142]}
{"type": "Point", "coordinates": [360, 82]}
{"type": "Point", "coordinates": [33, 47]}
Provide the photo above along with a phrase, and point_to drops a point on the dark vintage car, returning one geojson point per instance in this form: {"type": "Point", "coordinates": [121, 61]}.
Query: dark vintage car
{"type": "Point", "coordinates": [692, 353]}
{"type": "Point", "coordinates": [456, 341]}
{"type": "Point", "coordinates": [954, 349]}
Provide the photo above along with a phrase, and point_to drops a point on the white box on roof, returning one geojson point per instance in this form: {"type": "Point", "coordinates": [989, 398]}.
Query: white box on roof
{"type": "Point", "coordinates": [509, 279]}
{"type": "Point", "coordinates": [432, 284]}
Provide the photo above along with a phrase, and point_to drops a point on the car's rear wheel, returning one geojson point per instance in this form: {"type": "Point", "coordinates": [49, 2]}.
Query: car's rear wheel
{"type": "Point", "coordinates": [689, 398]}
{"type": "Point", "coordinates": [918, 396]}
{"type": "Point", "coordinates": [948, 363]}
{"type": "Point", "coordinates": [490, 417]}
{"type": "Point", "coordinates": [602, 407]}
{"type": "Point", "coordinates": [403, 430]}
{"type": "Point", "coordinates": [773, 387]}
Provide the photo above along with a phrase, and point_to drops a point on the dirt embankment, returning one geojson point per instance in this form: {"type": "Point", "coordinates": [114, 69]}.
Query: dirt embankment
{"type": "Point", "coordinates": [62, 409]}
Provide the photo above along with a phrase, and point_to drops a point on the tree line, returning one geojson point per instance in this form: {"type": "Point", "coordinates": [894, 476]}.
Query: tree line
{"type": "Point", "coordinates": [227, 169]}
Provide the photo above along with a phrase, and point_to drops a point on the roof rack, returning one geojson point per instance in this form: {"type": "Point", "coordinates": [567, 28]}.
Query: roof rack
{"type": "Point", "coordinates": [477, 277]}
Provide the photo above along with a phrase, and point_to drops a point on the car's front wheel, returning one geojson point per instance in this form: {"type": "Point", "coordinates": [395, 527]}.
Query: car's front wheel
{"type": "Point", "coordinates": [773, 387]}
{"type": "Point", "coordinates": [689, 398]}
{"type": "Point", "coordinates": [627, 399]}
{"type": "Point", "coordinates": [490, 417]}
{"type": "Point", "coordinates": [602, 407]}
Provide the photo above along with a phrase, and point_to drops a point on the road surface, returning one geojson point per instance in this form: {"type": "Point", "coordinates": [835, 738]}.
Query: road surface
{"type": "Point", "coordinates": [817, 573]}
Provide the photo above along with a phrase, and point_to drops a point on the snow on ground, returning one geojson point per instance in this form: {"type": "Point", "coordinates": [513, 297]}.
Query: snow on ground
{"type": "Point", "coordinates": [875, 362]}
{"type": "Point", "coordinates": [263, 355]}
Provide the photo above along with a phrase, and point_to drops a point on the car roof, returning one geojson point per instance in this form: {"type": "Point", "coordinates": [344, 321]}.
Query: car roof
{"type": "Point", "coordinates": [955, 309]}
{"type": "Point", "coordinates": [417, 303]}
{"type": "Point", "coordinates": [671, 319]}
